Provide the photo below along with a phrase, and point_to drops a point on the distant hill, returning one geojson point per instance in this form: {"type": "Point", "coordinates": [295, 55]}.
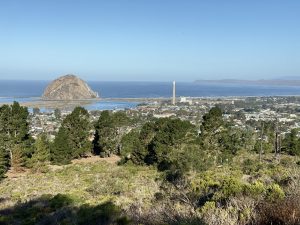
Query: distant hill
{"type": "Point", "coordinates": [282, 82]}
{"type": "Point", "coordinates": [68, 87]}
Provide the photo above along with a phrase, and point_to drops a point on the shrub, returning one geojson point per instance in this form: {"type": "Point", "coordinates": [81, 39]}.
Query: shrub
{"type": "Point", "coordinates": [250, 166]}
{"type": "Point", "coordinates": [205, 184]}
{"type": "Point", "coordinates": [275, 193]}
{"type": "Point", "coordinates": [255, 190]}
{"type": "Point", "coordinates": [106, 213]}
{"type": "Point", "coordinates": [208, 206]}
{"type": "Point", "coordinates": [229, 187]}
{"type": "Point", "coordinates": [59, 201]}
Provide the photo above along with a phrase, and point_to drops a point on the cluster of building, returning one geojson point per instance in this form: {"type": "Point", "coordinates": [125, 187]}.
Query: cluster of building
{"type": "Point", "coordinates": [285, 110]}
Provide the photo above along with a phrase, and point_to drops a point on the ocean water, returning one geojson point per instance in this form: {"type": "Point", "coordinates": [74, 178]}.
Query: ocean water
{"type": "Point", "coordinates": [24, 91]}
{"type": "Point", "coordinates": [30, 89]}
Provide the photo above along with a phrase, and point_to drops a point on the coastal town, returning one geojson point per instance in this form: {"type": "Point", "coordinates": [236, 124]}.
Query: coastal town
{"type": "Point", "coordinates": [242, 111]}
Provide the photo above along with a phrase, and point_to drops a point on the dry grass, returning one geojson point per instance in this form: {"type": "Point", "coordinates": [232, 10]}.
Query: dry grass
{"type": "Point", "coordinates": [89, 181]}
{"type": "Point", "coordinates": [286, 212]}
{"type": "Point", "coordinates": [92, 159]}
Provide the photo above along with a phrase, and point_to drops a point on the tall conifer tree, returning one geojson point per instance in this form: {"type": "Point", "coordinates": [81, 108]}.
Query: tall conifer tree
{"type": "Point", "coordinates": [72, 140]}
{"type": "Point", "coordinates": [60, 149]}
{"type": "Point", "coordinates": [14, 133]}
{"type": "Point", "coordinates": [41, 153]}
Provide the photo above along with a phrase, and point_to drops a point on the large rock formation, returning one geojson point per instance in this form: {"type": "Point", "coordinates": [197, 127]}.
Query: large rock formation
{"type": "Point", "coordinates": [68, 87]}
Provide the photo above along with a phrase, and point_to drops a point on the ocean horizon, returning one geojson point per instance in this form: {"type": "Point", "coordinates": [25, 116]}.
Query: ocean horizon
{"type": "Point", "coordinates": [23, 89]}
{"type": "Point", "coordinates": [31, 91]}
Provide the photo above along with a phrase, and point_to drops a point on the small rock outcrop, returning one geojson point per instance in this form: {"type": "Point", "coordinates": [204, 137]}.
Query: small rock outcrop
{"type": "Point", "coordinates": [69, 87]}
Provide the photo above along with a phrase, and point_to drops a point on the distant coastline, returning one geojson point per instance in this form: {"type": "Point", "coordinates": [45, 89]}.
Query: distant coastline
{"type": "Point", "coordinates": [277, 82]}
{"type": "Point", "coordinates": [31, 91]}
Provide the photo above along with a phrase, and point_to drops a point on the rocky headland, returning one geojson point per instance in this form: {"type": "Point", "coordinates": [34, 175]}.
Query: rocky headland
{"type": "Point", "coordinates": [69, 87]}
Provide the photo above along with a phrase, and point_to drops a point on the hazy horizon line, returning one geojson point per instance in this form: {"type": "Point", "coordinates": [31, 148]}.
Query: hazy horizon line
{"type": "Point", "coordinates": [164, 81]}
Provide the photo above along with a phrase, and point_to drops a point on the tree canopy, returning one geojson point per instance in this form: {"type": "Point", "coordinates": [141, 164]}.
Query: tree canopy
{"type": "Point", "coordinates": [16, 143]}
{"type": "Point", "coordinates": [107, 132]}
{"type": "Point", "coordinates": [72, 140]}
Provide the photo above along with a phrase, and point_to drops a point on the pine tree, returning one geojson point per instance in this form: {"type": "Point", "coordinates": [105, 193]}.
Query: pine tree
{"type": "Point", "coordinates": [6, 140]}
{"type": "Point", "coordinates": [4, 156]}
{"type": "Point", "coordinates": [106, 132]}
{"type": "Point", "coordinates": [72, 140]}
{"type": "Point", "coordinates": [14, 132]}
{"type": "Point", "coordinates": [106, 137]}
{"type": "Point", "coordinates": [291, 143]}
{"type": "Point", "coordinates": [169, 134]}
{"type": "Point", "coordinates": [18, 125]}
{"type": "Point", "coordinates": [78, 128]}
{"type": "Point", "coordinates": [141, 147]}
{"type": "Point", "coordinates": [212, 121]}
{"type": "Point", "coordinates": [41, 153]}
{"type": "Point", "coordinates": [60, 151]}
{"type": "Point", "coordinates": [4, 160]}
{"type": "Point", "coordinates": [18, 159]}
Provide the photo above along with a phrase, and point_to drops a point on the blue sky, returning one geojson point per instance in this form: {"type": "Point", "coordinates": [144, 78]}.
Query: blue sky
{"type": "Point", "coordinates": [149, 40]}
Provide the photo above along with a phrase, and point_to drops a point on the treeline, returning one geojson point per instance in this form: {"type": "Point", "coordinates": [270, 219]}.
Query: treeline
{"type": "Point", "coordinates": [171, 145]}
{"type": "Point", "coordinates": [207, 170]}
{"type": "Point", "coordinates": [177, 146]}
{"type": "Point", "coordinates": [77, 137]}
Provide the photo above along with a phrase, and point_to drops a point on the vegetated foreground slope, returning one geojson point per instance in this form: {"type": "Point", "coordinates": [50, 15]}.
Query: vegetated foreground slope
{"type": "Point", "coordinates": [93, 183]}
{"type": "Point", "coordinates": [99, 192]}
{"type": "Point", "coordinates": [169, 172]}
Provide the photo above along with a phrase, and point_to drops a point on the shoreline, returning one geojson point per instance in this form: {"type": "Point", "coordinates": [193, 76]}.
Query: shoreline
{"type": "Point", "coordinates": [38, 102]}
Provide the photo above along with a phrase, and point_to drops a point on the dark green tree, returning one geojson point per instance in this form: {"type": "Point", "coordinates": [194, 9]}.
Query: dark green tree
{"type": "Point", "coordinates": [169, 134]}
{"type": "Point", "coordinates": [148, 132]}
{"type": "Point", "coordinates": [128, 142]}
{"type": "Point", "coordinates": [211, 134]}
{"type": "Point", "coordinates": [72, 140]}
{"type": "Point", "coordinates": [57, 114]}
{"type": "Point", "coordinates": [104, 142]}
{"type": "Point", "coordinates": [138, 152]}
{"type": "Point", "coordinates": [60, 151]}
{"type": "Point", "coordinates": [41, 155]}
{"type": "Point", "coordinates": [14, 132]}
{"type": "Point", "coordinates": [120, 119]}
{"type": "Point", "coordinates": [212, 121]}
{"type": "Point", "coordinates": [4, 158]}
{"type": "Point", "coordinates": [159, 141]}
{"type": "Point", "coordinates": [219, 139]}
{"type": "Point", "coordinates": [107, 132]}
{"type": "Point", "coordinates": [78, 127]}
{"type": "Point", "coordinates": [291, 143]}
{"type": "Point", "coordinates": [141, 146]}
{"type": "Point", "coordinates": [4, 143]}
{"type": "Point", "coordinates": [232, 139]}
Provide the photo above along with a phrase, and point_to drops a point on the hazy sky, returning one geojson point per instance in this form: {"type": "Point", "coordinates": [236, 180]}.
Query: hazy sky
{"type": "Point", "coordinates": [156, 40]}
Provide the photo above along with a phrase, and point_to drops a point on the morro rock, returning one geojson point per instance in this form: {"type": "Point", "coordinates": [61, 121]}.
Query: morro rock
{"type": "Point", "coordinates": [69, 87]}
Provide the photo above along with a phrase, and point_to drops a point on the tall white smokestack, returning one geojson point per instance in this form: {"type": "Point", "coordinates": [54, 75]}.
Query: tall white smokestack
{"type": "Point", "coordinates": [174, 93]}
